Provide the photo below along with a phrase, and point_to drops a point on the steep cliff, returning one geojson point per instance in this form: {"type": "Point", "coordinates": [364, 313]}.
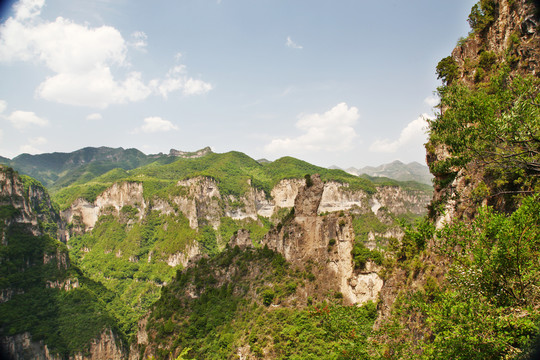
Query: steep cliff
{"type": "Point", "coordinates": [483, 144]}
{"type": "Point", "coordinates": [200, 201]}
{"type": "Point", "coordinates": [462, 284]}
{"type": "Point", "coordinates": [326, 241]}
{"type": "Point", "coordinates": [49, 310]}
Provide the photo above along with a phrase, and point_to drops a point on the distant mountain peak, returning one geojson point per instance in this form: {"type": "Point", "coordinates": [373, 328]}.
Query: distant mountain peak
{"type": "Point", "coordinates": [397, 170]}
{"type": "Point", "coordinates": [190, 154]}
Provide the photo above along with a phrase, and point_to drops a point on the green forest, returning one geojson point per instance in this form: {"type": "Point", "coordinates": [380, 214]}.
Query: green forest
{"type": "Point", "coordinates": [461, 282]}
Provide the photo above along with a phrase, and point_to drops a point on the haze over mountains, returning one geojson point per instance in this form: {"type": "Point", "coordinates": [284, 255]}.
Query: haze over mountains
{"type": "Point", "coordinates": [396, 170]}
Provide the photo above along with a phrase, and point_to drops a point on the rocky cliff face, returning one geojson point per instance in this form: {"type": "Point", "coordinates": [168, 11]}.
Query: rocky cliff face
{"type": "Point", "coordinates": [326, 241]}
{"type": "Point", "coordinates": [23, 347]}
{"type": "Point", "coordinates": [512, 40]}
{"type": "Point", "coordinates": [84, 215]}
{"type": "Point", "coordinates": [200, 200]}
{"type": "Point", "coordinates": [29, 229]}
{"type": "Point", "coordinates": [513, 31]}
{"type": "Point", "coordinates": [31, 202]}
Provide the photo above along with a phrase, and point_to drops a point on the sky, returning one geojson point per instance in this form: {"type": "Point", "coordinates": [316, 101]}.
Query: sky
{"type": "Point", "coordinates": [341, 82]}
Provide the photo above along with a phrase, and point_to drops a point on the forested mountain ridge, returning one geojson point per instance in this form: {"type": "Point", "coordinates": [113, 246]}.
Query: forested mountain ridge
{"type": "Point", "coordinates": [129, 231]}
{"type": "Point", "coordinates": [57, 170]}
{"type": "Point", "coordinates": [222, 256]}
{"type": "Point", "coordinates": [469, 274]}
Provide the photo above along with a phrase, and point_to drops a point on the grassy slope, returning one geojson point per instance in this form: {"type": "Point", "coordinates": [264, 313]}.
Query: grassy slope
{"type": "Point", "coordinates": [231, 170]}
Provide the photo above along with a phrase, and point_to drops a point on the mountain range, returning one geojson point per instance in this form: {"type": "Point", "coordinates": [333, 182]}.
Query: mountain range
{"type": "Point", "coordinates": [123, 224]}
{"type": "Point", "coordinates": [396, 170]}
{"type": "Point", "coordinates": [114, 254]}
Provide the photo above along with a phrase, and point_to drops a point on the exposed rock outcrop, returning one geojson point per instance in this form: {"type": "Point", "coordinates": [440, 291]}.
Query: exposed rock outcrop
{"type": "Point", "coordinates": [512, 39]}
{"type": "Point", "coordinates": [21, 346]}
{"type": "Point", "coordinates": [190, 155]}
{"type": "Point", "coordinates": [28, 226]}
{"type": "Point", "coordinates": [31, 202]}
{"type": "Point", "coordinates": [84, 215]}
{"type": "Point", "coordinates": [201, 202]}
{"type": "Point", "coordinates": [326, 241]}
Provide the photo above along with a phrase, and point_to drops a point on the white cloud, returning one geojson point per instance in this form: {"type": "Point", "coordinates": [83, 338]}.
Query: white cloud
{"type": "Point", "coordinates": [138, 41]}
{"type": "Point", "coordinates": [332, 131]}
{"type": "Point", "coordinates": [26, 9]}
{"type": "Point", "coordinates": [94, 116]}
{"type": "Point", "coordinates": [31, 148]}
{"type": "Point", "coordinates": [155, 124]}
{"type": "Point", "coordinates": [290, 43]}
{"type": "Point", "coordinates": [63, 46]}
{"type": "Point", "coordinates": [83, 60]}
{"type": "Point", "coordinates": [432, 101]}
{"type": "Point", "coordinates": [3, 106]}
{"type": "Point", "coordinates": [40, 140]}
{"type": "Point", "coordinates": [176, 79]}
{"type": "Point", "coordinates": [413, 134]}
{"type": "Point", "coordinates": [196, 87]}
{"type": "Point", "coordinates": [23, 119]}
{"type": "Point", "coordinates": [96, 88]}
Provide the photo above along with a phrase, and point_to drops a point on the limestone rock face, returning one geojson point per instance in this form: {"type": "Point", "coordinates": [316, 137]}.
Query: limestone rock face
{"type": "Point", "coordinates": [201, 202]}
{"type": "Point", "coordinates": [399, 201]}
{"type": "Point", "coordinates": [21, 346]}
{"type": "Point", "coordinates": [337, 197]}
{"type": "Point", "coordinates": [309, 198]}
{"type": "Point", "coordinates": [183, 257]}
{"type": "Point", "coordinates": [285, 192]}
{"type": "Point", "coordinates": [513, 33]}
{"type": "Point", "coordinates": [242, 239]}
{"type": "Point", "coordinates": [326, 241]}
{"type": "Point", "coordinates": [84, 215]}
{"type": "Point", "coordinates": [33, 204]}
{"type": "Point", "coordinates": [517, 19]}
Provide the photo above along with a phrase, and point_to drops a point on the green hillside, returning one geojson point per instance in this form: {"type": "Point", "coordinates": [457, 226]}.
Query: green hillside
{"type": "Point", "coordinates": [233, 171]}
{"type": "Point", "coordinates": [56, 170]}
{"type": "Point", "coordinates": [204, 315]}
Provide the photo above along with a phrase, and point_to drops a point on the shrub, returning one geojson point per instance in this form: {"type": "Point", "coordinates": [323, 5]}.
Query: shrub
{"type": "Point", "coordinates": [268, 296]}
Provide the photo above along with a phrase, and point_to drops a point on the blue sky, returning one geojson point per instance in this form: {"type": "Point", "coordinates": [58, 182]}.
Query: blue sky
{"type": "Point", "coordinates": [344, 83]}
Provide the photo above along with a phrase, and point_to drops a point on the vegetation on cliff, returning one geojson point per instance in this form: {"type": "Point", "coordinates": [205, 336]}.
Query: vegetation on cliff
{"type": "Point", "coordinates": [234, 172]}
{"type": "Point", "coordinates": [473, 283]}
{"type": "Point", "coordinates": [42, 293]}
{"type": "Point", "coordinates": [249, 301]}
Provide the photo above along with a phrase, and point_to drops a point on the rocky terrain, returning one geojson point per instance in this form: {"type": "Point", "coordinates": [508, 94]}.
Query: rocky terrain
{"type": "Point", "coordinates": [37, 272]}
{"type": "Point", "coordinates": [155, 235]}
{"type": "Point", "coordinates": [215, 256]}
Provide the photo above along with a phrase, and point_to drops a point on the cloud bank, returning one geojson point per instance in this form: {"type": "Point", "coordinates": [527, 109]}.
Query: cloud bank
{"type": "Point", "coordinates": [83, 60]}
{"type": "Point", "coordinates": [24, 119]}
{"type": "Point", "coordinates": [331, 131]}
{"type": "Point", "coordinates": [413, 134]}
